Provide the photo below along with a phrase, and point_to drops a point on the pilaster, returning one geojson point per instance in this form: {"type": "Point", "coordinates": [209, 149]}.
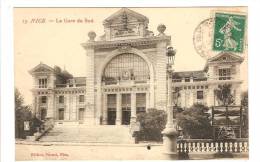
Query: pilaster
{"type": "Point", "coordinates": [161, 83]}
{"type": "Point", "coordinates": [118, 109]}
{"type": "Point", "coordinates": [98, 104]}
{"type": "Point", "coordinates": [104, 119]}
{"type": "Point", "coordinates": [74, 107]}
{"type": "Point", "coordinates": [67, 107]}
{"type": "Point", "coordinates": [90, 87]}
{"type": "Point", "coordinates": [50, 101]}
{"type": "Point", "coordinates": [147, 100]}
{"type": "Point", "coordinates": [191, 98]}
{"type": "Point", "coordinates": [133, 107]}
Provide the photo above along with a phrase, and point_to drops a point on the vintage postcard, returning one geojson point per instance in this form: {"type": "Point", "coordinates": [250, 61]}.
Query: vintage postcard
{"type": "Point", "coordinates": [131, 83]}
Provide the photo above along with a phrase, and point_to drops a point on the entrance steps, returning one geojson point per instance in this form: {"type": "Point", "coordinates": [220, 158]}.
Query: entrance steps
{"type": "Point", "coordinates": [89, 134]}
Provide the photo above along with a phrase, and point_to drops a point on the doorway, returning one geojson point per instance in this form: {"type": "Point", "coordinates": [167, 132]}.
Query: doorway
{"type": "Point", "coordinates": [61, 114]}
{"type": "Point", "coordinates": [111, 116]}
{"type": "Point", "coordinates": [126, 109]}
{"type": "Point", "coordinates": [43, 113]}
{"type": "Point", "coordinates": [111, 109]}
{"type": "Point", "coordinates": [126, 116]}
{"type": "Point", "coordinates": [81, 113]}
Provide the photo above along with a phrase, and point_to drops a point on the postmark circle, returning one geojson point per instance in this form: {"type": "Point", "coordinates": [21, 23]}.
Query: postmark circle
{"type": "Point", "coordinates": [203, 37]}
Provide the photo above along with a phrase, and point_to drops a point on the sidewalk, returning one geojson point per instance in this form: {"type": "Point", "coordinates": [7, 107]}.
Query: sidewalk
{"type": "Point", "coordinates": [86, 151]}
{"type": "Point", "coordinates": [141, 144]}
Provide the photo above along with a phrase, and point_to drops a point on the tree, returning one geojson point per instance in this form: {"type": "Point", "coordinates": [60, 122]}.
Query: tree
{"type": "Point", "coordinates": [19, 100]}
{"type": "Point", "coordinates": [62, 75]}
{"type": "Point", "coordinates": [22, 113]}
{"type": "Point", "coordinates": [244, 103]}
{"type": "Point", "coordinates": [152, 124]}
{"type": "Point", "coordinates": [224, 95]}
{"type": "Point", "coordinates": [195, 122]}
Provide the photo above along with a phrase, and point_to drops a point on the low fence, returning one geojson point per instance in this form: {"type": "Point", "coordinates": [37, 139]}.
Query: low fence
{"type": "Point", "coordinates": [239, 145]}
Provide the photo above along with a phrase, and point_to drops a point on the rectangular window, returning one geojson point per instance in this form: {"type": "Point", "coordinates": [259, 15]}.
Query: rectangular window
{"type": "Point", "coordinates": [81, 98]}
{"type": "Point", "coordinates": [43, 83]}
{"type": "Point", "coordinates": [126, 100]}
{"type": "Point", "coordinates": [61, 99]}
{"type": "Point", "coordinates": [224, 74]}
{"type": "Point", "coordinates": [111, 101]}
{"type": "Point", "coordinates": [187, 79]}
{"type": "Point", "coordinates": [43, 99]}
{"type": "Point", "coordinates": [199, 95]}
{"type": "Point", "coordinates": [140, 100]}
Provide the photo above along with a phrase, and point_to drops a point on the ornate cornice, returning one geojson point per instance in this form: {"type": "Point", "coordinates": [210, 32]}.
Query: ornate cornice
{"type": "Point", "coordinates": [59, 90]}
{"type": "Point", "coordinates": [126, 42]}
{"type": "Point", "coordinates": [209, 82]}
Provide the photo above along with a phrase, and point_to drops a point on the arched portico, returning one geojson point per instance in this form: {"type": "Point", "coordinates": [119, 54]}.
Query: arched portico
{"type": "Point", "coordinates": [124, 97]}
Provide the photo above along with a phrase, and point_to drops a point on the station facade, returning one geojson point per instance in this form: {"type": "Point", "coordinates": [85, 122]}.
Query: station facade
{"type": "Point", "coordinates": [126, 74]}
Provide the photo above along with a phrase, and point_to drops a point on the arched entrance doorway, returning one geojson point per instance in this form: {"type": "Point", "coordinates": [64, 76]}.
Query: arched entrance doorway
{"type": "Point", "coordinates": [125, 87]}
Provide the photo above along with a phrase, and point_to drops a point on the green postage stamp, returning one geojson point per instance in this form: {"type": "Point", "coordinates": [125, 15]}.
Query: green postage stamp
{"type": "Point", "coordinates": [229, 32]}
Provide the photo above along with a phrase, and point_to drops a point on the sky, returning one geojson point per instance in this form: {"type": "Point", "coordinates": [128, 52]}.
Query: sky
{"type": "Point", "coordinates": [57, 41]}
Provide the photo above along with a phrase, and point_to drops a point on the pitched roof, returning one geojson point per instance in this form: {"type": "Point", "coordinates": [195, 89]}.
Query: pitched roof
{"type": "Point", "coordinates": [232, 57]}
{"type": "Point", "coordinates": [41, 68]}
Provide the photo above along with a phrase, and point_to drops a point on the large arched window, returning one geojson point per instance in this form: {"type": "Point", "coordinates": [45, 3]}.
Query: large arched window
{"type": "Point", "coordinates": [126, 67]}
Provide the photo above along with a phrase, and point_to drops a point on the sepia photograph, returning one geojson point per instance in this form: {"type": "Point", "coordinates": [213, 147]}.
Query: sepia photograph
{"type": "Point", "coordinates": [131, 83]}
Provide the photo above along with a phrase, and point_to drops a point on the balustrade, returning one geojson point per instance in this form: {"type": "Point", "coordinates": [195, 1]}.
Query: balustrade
{"type": "Point", "coordinates": [207, 145]}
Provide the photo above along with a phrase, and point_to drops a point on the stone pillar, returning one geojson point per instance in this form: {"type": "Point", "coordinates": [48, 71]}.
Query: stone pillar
{"type": "Point", "coordinates": [147, 100]}
{"type": "Point", "coordinates": [90, 87]}
{"type": "Point", "coordinates": [67, 106]}
{"type": "Point", "coordinates": [98, 105]}
{"type": "Point", "coordinates": [191, 79]}
{"type": "Point", "coordinates": [104, 119]}
{"type": "Point", "coordinates": [152, 95]}
{"type": "Point", "coordinates": [74, 107]}
{"type": "Point", "coordinates": [161, 62]}
{"type": "Point", "coordinates": [191, 98]}
{"type": "Point", "coordinates": [133, 107]}
{"type": "Point", "coordinates": [118, 109]}
{"type": "Point", "coordinates": [50, 101]}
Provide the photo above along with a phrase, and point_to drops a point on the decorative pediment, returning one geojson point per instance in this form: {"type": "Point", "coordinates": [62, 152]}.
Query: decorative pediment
{"type": "Point", "coordinates": [226, 57]}
{"type": "Point", "coordinates": [125, 15]}
{"type": "Point", "coordinates": [41, 68]}
{"type": "Point", "coordinates": [125, 23]}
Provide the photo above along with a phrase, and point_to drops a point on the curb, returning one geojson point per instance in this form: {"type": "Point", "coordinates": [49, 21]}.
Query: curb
{"type": "Point", "coordinates": [84, 144]}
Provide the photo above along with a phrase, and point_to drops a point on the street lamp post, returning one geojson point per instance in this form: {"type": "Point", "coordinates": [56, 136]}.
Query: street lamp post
{"type": "Point", "coordinates": [170, 133]}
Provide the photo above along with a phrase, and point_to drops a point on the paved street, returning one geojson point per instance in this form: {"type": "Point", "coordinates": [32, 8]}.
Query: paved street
{"type": "Point", "coordinates": [88, 152]}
